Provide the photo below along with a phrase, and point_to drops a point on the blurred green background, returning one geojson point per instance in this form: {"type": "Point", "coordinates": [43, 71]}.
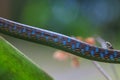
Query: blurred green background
{"type": "Point", "coordinates": [83, 18]}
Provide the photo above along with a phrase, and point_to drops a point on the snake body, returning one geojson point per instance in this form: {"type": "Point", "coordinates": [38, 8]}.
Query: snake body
{"type": "Point", "coordinates": [59, 41]}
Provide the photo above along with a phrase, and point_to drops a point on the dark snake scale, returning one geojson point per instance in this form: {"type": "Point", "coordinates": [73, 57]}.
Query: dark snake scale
{"type": "Point", "coordinates": [58, 41]}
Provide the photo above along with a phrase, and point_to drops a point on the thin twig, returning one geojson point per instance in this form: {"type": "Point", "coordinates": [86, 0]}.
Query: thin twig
{"type": "Point", "coordinates": [103, 72]}
{"type": "Point", "coordinates": [102, 42]}
{"type": "Point", "coordinates": [104, 45]}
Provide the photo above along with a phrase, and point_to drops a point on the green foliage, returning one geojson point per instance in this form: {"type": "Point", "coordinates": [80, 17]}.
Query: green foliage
{"type": "Point", "coordinates": [41, 13]}
{"type": "Point", "coordinates": [36, 13]}
{"type": "Point", "coordinates": [15, 66]}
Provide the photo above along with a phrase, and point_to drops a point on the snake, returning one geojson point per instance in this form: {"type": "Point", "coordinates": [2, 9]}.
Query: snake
{"type": "Point", "coordinates": [58, 41]}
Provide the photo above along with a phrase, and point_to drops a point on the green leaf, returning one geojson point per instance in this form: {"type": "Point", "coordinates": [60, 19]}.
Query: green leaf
{"type": "Point", "coordinates": [16, 66]}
